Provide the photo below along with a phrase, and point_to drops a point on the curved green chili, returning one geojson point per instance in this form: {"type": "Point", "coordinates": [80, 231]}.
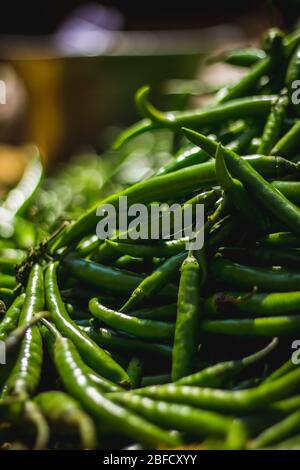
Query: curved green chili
{"type": "Point", "coordinates": [94, 356]}
{"type": "Point", "coordinates": [70, 368]}
{"type": "Point", "coordinates": [163, 187]}
{"type": "Point", "coordinates": [226, 400]}
{"type": "Point", "coordinates": [141, 328]}
{"type": "Point", "coordinates": [269, 197]}
{"type": "Point", "coordinates": [273, 126]}
{"type": "Point", "coordinates": [11, 317]}
{"type": "Point", "coordinates": [234, 109]}
{"type": "Point", "coordinates": [25, 375]}
{"type": "Point", "coordinates": [246, 277]}
{"type": "Point", "coordinates": [155, 281]}
{"type": "Point", "coordinates": [218, 375]}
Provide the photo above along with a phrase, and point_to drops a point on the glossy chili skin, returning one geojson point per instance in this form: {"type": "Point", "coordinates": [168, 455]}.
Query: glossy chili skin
{"type": "Point", "coordinates": [8, 281]}
{"type": "Point", "coordinates": [289, 142]}
{"type": "Point", "coordinates": [153, 283]}
{"type": "Point", "coordinates": [105, 277]}
{"type": "Point", "coordinates": [65, 415]}
{"type": "Point", "coordinates": [19, 198]}
{"type": "Point", "coordinates": [272, 200]}
{"type": "Point", "coordinates": [11, 317]}
{"type": "Point", "coordinates": [163, 313]}
{"type": "Point", "coordinates": [104, 385]}
{"type": "Point", "coordinates": [233, 109]}
{"type": "Point", "coordinates": [280, 239]}
{"type": "Point", "coordinates": [187, 321]}
{"type": "Point", "coordinates": [288, 366]}
{"type": "Point", "coordinates": [108, 339]}
{"type": "Point", "coordinates": [273, 126]}
{"type": "Point", "coordinates": [264, 327]}
{"type": "Point", "coordinates": [290, 189]}
{"type": "Point", "coordinates": [263, 304]}
{"type": "Point", "coordinates": [174, 416]}
{"type": "Point", "coordinates": [244, 57]}
{"type": "Point", "coordinates": [141, 328]}
{"type": "Point", "coordinates": [238, 195]}
{"type": "Point", "coordinates": [218, 375]}
{"type": "Point", "coordinates": [245, 277]}
{"type": "Point", "coordinates": [94, 356]}
{"type": "Point", "coordinates": [248, 81]}
{"type": "Point", "coordinates": [155, 379]}
{"type": "Point", "coordinates": [181, 182]}
{"type": "Point", "coordinates": [69, 366]}
{"type": "Point", "coordinates": [25, 375]}
{"type": "Point", "coordinates": [108, 279]}
{"type": "Point", "coordinates": [226, 401]}
{"type": "Point", "coordinates": [112, 247]}
{"type": "Point", "coordinates": [278, 432]}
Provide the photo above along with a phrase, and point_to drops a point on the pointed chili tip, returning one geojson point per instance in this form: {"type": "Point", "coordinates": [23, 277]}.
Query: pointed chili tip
{"type": "Point", "coordinates": [195, 137]}
{"type": "Point", "coordinates": [141, 94]}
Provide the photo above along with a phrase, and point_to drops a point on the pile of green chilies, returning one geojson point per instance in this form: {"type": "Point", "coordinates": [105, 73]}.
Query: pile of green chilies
{"type": "Point", "coordinates": [147, 344]}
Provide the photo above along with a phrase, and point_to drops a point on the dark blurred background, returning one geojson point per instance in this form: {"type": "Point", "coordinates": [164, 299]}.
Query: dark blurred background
{"type": "Point", "coordinates": [72, 67]}
{"type": "Point", "coordinates": [44, 17]}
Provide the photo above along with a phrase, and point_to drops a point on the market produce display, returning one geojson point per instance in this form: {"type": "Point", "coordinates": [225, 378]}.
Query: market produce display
{"type": "Point", "coordinates": [123, 343]}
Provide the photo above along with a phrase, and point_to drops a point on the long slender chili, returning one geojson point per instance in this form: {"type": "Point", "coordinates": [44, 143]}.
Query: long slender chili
{"type": "Point", "coordinates": [95, 357]}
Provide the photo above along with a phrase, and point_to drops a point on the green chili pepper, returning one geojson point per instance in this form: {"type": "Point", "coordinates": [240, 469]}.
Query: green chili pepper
{"type": "Point", "coordinates": [263, 256]}
{"type": "Point", "coordinates": [273, 126]}
{"type": "Point", "coordinates": [151, 329]}
{"type": "Point", "coordinates": [108, 279]}
{"type": "Point", "coordinates": [8, 281]}
{"type": "Point", "coordinates": [289, 142]}
{"type": "Point", "coordinates": [19, 198]}
{"type": "Point", "coordinates": [279, 431]}
{"type": "Point", "coordinates": [244, 57]}
{"type": "Point", "coordinates": [94, 356]}
{"type": "Point", "coordinates": [270, 198]}
{"type": "Point", "coordinates": [188, 157]}
{"type": "Point", "coordinates": [253, 304]}
{"type": "Point", "coordinates": [246, 277]}
{"type": "Point", "coordinates": [10, 320]}
{"type": "Point", "coordinates": [181, 182]}
{"type": "Point", "coordinates": [239, 108]}
{"type": "Point", "coordinates": [187, 321]}
{"type": "Point", "coordinates": [164, 313]}
{"type": "Point", "coordinates": [25, 375]}
{"type": "Point", "coordinates": [50, 333]}
{"type": "Point", "coordinates": [70, 368]}
{"type": "Point", "coordinates": [136, 129]}
{"type": "Point", "coordinates": [238, 195]}
{"type": "Point", "coordinates": [155, 281]}
{"type": "Point", "coordinates": [218, 375]}
{"type": "Point", "coordinates": [239, 401]}
{"type": "Point", "coordinates": [173, 416]}
{"type": "Point", "coordinates": [288, 366]}
{"type": "Point", "coordinates": [261, 327]}
{"type": "Point", "coordinates": [290, 189]}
